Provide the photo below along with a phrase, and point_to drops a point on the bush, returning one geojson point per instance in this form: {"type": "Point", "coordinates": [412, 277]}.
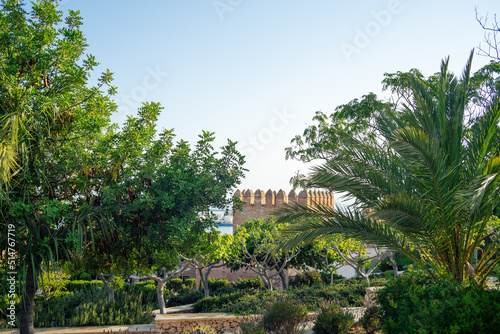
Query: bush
{"type": "Point", "coordinates": [73, 286]}
{"type": "Point", "coordinates": [217, 302]}
{"type": "Point", "coordinates": [414, 303]}
{"type": "Point", "coordinates": [349, 295]}
{"type": "Point", "coordinates": [90, 307]}
{"type": "Point", "coordinates": [214, 284]}
{"type": "Point", "coordinates": [190, 283]}
{"type": "Point", "coordinates": [200, 330]}
{"type": "Point", "coordinates": [251, 326]}
{"type": "Point", "coordinates": [185, 298]}
{"type": "Point", "coordinates": [147, 290]}
{"type": "Point", "coordinates": [249, 283]}
{"type": "Point", "coordinates": [307, 278]}
{"type": "Point", "coordinates": [332, 320]}
{"type": "Point", "coordinates": [327, 276]}
{"type": "Point", "coordinates": [372, 320]}
{"type": "Point", "coordinates": [284, 316]}
{"type": "Point", "coordinates": [174, 284]}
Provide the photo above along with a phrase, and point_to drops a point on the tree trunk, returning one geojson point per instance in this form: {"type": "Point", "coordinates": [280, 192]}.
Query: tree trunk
{"type": "Point", "coordinates": [204, 281]}
{"type": "Point", "coordinates": [394, 266]}
{"type": "Point", "coordinates": [284, 281]}
{"type": "Point", "coordinates": [159, 292]}
{"type": "Point", "coordinates": [331, 276]}
{"type": "Point", "coordinates": [268, 282]}
{"type": "Point", "coordinates": [111, 291]}
{"type": "Point", "coordinates": [28, 303]}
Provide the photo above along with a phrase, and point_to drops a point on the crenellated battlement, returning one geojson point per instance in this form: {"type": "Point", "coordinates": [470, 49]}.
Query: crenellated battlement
{"type": "Point", "coordinates": [260, 204]}
{"type": "Point", "coordinates": [273, 198]}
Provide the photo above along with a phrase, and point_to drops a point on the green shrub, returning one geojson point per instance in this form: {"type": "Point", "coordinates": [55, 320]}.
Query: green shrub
{"type": "Point", "coordinates": [372, 320]}
{"type": "Point", "coordinates": [200, 330]}
{"type": "Point", "coordinates": [249, 283]}
{"type": "Point", "coordinates": [90, 307]}
{"type": "Point", "coordinates": [174, 284]}
{"type": "Point", "coordinates": [307, 278]}
{"type": "Point", "coordinates": [284, 316]}
{"type": "Point", "coordinates": [147, 290]}
{"type": "Point", "coordinates": [414, 303]}
{"type": "Point", "coordinates": [332, 320]}
{"type": "Point", "coordinates": [190, 283]}
{"type": "Point", "coordinates": [325, 277]}
{"type": "Point", "coordinates": [74, 286]}
{"type": "Point", "coordinates": [185, 298]}
{"type": "Point", "coordinates": [214, 284]}
{"type": "Point", "coordinates": [251, 326]}
{"type": "Point", "coordinates": [215, 303]}
{"type": "Point", "coordinates": [349, 295]}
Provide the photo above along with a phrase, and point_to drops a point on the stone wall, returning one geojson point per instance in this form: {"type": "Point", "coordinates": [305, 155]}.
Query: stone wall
{"type": "Point", "coordinates": [177, 323]}
{"type": "Point", "coordinates": [259, 205]}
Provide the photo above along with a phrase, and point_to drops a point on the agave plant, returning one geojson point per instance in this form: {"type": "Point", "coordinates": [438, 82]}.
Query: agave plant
{"type": "Point", "coordinates": [427, 187]}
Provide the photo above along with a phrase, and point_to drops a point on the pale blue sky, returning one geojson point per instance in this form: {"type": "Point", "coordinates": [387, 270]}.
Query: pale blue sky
{"type": "Point", "coordinates": [256, 71]}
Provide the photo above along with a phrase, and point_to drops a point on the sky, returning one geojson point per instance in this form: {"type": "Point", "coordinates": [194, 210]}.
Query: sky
{"type": "Point", "coordinates": [257, 71]}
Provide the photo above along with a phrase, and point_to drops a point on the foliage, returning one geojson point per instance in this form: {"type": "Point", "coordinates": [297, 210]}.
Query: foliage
{"type": "Point", "coordinates": [190, 283]}
{"type": "Point", "coordinates": [50, 119]}
{"type": "Point", "coordinates": [372, 319]}
{"type": "Point", "coordinates": [332, 320]}
{"type": "Point", "coordinates": [284, 316]}
{"type": "Point", "coordinates": [174, 284]}
{"type": "Point", "coordinates": [350, 294]}
{"type": "Point", "coordinates": [74, 286]}
{"type": "Point", "coordinates": [185, 298]}
{"type": "Point", "coordinates": [255, 247]}
{"type": "Point", "coordinates": [426, 187]}
{"type": "Point", "coordinates": [53, 283]}
{"type": "Point", "coordinates": [306, 278]}
{"type": "Point", "coordinates": [248, 283]}
{"type": "Point", "coordinates": [250, 325]}
{"type": "Point", "coordinates": [200, 330]}
{"type": "Point", "coordinates": [214, 284]}
{"type": "Point", "coordinates": [416, 303]}
{"type": "Point", "coordinates": [146, 289]}
{"type": "Point", "coordinates": [330, 278]}
{"type": "Point", "coordinates": [91, 307]}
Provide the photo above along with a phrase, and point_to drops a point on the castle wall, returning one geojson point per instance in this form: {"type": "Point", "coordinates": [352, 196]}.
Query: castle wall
{"type": "Point", "coordinates": [260, 205]}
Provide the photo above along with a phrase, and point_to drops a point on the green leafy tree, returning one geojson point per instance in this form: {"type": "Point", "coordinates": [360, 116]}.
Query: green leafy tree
{"type": "Point", "coordinates": [257, 248]}
{"type": "Point", "coordinates": [49, 121]}
{"type": "Point", "coordinates": [208, 253]}
{"type": "Point", "coordinates": [430, 182]}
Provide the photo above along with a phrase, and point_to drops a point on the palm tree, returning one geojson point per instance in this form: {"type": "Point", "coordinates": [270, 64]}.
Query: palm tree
{"type": "Point", "coordinates": [427, 187]}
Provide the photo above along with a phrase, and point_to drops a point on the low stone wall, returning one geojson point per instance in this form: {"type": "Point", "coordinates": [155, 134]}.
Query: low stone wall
{"type": "Point", "coordinates": [371, 295]}
{"type": "Point", "coordinates": [177, 323]}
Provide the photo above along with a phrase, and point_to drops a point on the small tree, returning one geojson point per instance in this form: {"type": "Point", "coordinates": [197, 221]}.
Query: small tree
{"type": "Point", "coordinates": [210, 252]}
{"type": "Point", "coordinates": [256, 247]}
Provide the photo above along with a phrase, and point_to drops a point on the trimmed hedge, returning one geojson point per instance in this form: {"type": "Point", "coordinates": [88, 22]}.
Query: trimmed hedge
{"type": "Point", "coordinates": [413, 303]}
{"type": "Point", "coordinates": [73, 286]}
{"type": "Point", "coordinates": [249, 283]}
{"type": "Point", "coordinates": [185, 298]}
